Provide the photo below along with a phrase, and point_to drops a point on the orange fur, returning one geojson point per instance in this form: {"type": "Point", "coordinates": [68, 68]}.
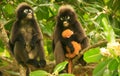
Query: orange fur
{"type": "Point", "coordinates": [67, 33]}
{"type": "Point", "coordinates": [77, 48]}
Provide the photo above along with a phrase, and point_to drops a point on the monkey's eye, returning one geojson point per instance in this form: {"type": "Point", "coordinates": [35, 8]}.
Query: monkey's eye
{"type": "Point", "coordinates": [25, 11]}
{"type": "Point", "coordinates": [68, 17]}
{"type": "Point", "coordinates": [61, 18]}
{"type": "Point", "coordinates": [30, 11]}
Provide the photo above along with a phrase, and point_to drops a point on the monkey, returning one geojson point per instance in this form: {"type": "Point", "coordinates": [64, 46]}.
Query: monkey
{"type": "Point", "coordinates": [26, 40]}
{"type": "Point", "coordinates": [67, 20]}
{"type": "Point", "coordinates": [77, 47]}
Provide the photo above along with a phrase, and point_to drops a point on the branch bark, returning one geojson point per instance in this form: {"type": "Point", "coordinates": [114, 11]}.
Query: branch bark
{"type": "Point", "coordinates": [4, 38]}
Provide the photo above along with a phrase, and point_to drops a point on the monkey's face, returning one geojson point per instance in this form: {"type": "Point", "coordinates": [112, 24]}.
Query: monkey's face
{"type": "Point", "coordinates": [66, 17]}
{"type": "Point", "coordinates": [65, 20]}
{"type": "Point", "coordinates": [28, 13]}
{"type": "Point", "coordinates": [25, 13]}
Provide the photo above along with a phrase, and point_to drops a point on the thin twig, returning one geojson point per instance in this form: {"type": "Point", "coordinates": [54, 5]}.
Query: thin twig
{"type": "Point", "coordinates": [6, 60]}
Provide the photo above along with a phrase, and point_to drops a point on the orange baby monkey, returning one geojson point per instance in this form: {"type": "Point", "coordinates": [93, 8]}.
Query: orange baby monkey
{"type": "Point", "coordinates": [77, 47]}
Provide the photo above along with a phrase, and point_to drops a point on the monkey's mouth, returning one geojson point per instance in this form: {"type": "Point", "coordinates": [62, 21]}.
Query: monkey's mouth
{"type": "Point", "coordinates": [65, 23]}
{"type": "Point", "coordinates": [29, 16]}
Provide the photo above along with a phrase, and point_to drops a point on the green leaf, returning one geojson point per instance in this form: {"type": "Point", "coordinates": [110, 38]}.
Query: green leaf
{"type": "Point", "coordinates": [1, 45]}
{"type": "Point", "coordinates": [93, 55]}
{"type": "Point", "coordinates": [60, 67]}
{"type": "Point", "coordinates": [1, 49]}
{"type": "Point", "coordinates": [106, 1]}
{"type": "Point", "coordinates": [9, 9]}
{"type": "Point", "coordinates": [66, 74]}
{"type": "Point", "coordinates": [106, 72]}
{"type": "Point", "coordinates": [100, 68]}
{"type": "Point", "coordinates": [9, 24]}
{"type": "Point", "coordinates": [113, 65]}
{"type": "Point", "coordinates": [47, 27]}
{"type": "Point", "coordinates": [119, 70]}
{"type": "Point", "coordinates": [39, 73]}
{"type": "Point", "coordinates": [30, 1]}
{"type": "Point", "coordinates": [91, 9]}
{"type": "Point", "coordinates": [108, 29]}
{"type": "Point", "coordinates": [42, 12]}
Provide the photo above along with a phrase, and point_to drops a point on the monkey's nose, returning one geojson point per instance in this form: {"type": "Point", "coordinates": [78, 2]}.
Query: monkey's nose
{"type": "Point", "coordinates": [65, 23]}
{"type": "Point", "coordinates": [29, 15]}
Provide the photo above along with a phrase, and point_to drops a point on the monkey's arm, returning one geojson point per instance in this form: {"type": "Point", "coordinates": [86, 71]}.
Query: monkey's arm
{"type": "Point", "coordinates": [85, 42]}
{"type": "Point", "coordinates": [56, 37]}
{"type": "Point", "coordinates": [14, 34]}
{"type": "Point", "coordinates": [35, 38]}
{"type": "Point", "coordinates": [12, 41]}
{"type": "Point", "coordinates": [80, 37]}
{"type": "Point", "coordinates": [37, 34]}
{"type": "Point", "coordinates": [67, 42]}
{"type": "Point", "coordinates": [59, 53]}
{"type": "Point", "coordinates": [37, 44]}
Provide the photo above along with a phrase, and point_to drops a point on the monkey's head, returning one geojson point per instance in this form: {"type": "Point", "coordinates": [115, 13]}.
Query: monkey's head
{"type": "Point", "coordinates": [24, 11]}
{"type": "Point", "coordinates": [66, 15]}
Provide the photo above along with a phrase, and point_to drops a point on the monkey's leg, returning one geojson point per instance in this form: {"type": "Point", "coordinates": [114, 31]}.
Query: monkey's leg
{"type": "Point", "coordinates": [21, 55]}
{"type": "Point", "coordinates": [40, 53]}
{"type": "Point", "coordinates": [20, 52]}
{"type": "Point", "coordinates": [37, 56]}
{"type": "Point", "coordinates": [84, 43]}
{"type": "Point", "coordinates": [59, 53]}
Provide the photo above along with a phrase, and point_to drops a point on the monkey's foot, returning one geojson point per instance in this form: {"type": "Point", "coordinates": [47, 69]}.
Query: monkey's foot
{"type": "Point", "coordinates": [42, 63]}
{"type": "Point", "coordinates": [33, 62]}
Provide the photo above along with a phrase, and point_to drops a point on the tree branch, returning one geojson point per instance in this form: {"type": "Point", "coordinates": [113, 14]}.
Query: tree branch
{"type": "Point", "coordinates": [75, 60]}
{"type": "Point", "coordinates": [4, 38]}
{"type": "Point", "coordinates": [6, 60]}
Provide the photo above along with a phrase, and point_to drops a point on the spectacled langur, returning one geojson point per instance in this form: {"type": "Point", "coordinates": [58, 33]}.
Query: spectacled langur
{"type": "Point", "coordinates": [26, 41]}
{"type": "Point", "coordinates": [69, 36]}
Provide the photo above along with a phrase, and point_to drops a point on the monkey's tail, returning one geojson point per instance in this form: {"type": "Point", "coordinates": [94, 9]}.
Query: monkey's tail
{"type": "Point", "coordinates": [70, 65]}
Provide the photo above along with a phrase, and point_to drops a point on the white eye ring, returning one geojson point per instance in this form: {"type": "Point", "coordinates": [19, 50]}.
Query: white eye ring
{"type": "Point", "coordinates": [61, 18]}
{"type": "Point", "coordinates": [30, 11]}
{"type": "Point", "coordinates": [68, 17]}
{"type": "Point", "coordinates": [25, 11]}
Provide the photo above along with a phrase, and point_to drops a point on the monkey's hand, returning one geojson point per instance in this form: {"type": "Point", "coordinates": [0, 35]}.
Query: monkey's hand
{"type": "Point", "coordinates": [67, 33]}
{"type": "Point", "coordinates": [42, 63]}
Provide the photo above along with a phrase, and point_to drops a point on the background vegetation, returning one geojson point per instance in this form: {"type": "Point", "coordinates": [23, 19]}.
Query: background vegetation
{"type": "Point", "coordinates": [100, 19]}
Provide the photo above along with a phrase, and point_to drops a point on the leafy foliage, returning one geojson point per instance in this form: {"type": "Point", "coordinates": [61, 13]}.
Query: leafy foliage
{"type": "Point", "coordinates": [92, 55]}
{"type": "Point", "coordinates": [100, 18]}
{"type": "Point", "coordinates": [108, 64]}
{"type": "Point", "coordinates": [57, 69]}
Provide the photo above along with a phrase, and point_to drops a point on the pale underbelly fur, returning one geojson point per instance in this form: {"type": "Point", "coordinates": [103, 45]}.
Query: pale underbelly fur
{"type": "Point", "coordinates": [27, 34]}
